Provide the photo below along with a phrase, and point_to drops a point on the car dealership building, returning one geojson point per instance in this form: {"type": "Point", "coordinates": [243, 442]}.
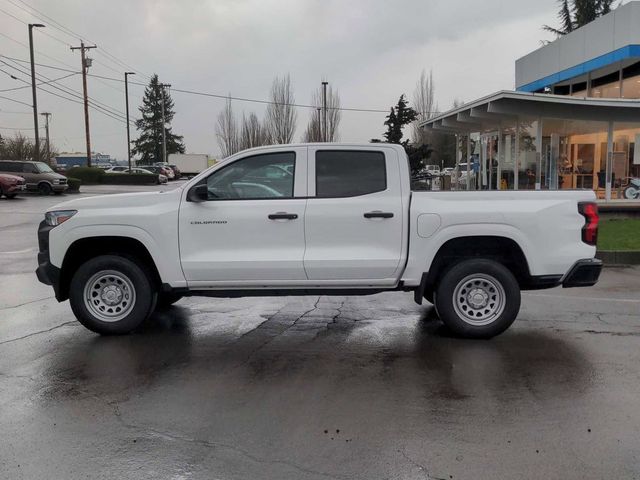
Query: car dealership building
{"type": "Point", "coordinates": [572, 122]}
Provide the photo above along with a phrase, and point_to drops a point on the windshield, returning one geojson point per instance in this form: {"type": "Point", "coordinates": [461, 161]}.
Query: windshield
{"type": "Point", "coordinates": [43, 167]}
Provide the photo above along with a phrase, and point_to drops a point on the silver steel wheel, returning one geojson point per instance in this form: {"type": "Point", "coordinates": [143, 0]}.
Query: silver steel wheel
{"type": "Point", "coordinates": [479, 299]}
{"type": "Point", "coordinates": [109, 295]}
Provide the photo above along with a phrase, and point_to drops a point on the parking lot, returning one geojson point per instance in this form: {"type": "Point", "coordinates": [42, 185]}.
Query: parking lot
{"type": "Point", "coordinates": [314, 387]}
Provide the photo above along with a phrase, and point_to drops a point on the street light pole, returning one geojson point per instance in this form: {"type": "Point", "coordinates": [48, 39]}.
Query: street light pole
{"type": "Point", "coordinates": [126, 97]}
{"type": "Point", "coordinates": [36, 155]}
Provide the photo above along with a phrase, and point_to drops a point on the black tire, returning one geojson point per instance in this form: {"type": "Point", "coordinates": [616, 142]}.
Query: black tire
{"type": "Point", "coordinates": [112, 268]}
{"type": "Point", "coordinates": [478, 298]}
{"type": "Point", "coordinates": [428, 295]}
{"type": "Point", "coordinates": [44, 188]}
{"type": "Point", "coordinates": [165, 300]}
{"type": "Point", "coordinates": [2, 192]}
{"type": "Point", "coordinates": [10, 196]}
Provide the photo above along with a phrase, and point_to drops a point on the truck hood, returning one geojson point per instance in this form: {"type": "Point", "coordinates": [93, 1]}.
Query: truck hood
{"type": "Point", "coordinates": [118, 200]}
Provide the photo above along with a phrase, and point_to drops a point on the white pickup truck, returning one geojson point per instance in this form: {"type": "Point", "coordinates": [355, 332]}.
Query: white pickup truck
{"type": "Point", "coordinates": [316, 219]}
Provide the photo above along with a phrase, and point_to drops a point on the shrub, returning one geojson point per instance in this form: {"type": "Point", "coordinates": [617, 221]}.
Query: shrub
{"type": "Point", "coordinates": [88, 175]}
{"type": "Point", "coordinates": [129, 179]}
{"type": "Point", "coordinates": [74, 184]}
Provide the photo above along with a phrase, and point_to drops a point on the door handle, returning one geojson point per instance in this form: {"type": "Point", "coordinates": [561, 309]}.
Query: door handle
{"type": "Point", "coordinates": [378, 214]}
{"type": "Point", "coordinates": [283, 216]}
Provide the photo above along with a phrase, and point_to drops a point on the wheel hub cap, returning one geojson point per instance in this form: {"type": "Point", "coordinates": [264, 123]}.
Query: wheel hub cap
{"type": "Point", "coordinates": [479, 299]}
{"type": "Point", "coordinates": [109, 295]}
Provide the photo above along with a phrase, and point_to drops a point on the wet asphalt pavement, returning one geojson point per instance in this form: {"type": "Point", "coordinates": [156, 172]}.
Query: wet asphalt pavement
{"type": "Point", "coordinates": [314, 387]}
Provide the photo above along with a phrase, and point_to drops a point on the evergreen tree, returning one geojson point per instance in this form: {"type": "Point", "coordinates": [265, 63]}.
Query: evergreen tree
{"type": "Point", "coordinates": [399, 116]}
{"type": "Point", "coordinates": [577, 13]}
{"type": "Point", "coordinates": [149, 144]}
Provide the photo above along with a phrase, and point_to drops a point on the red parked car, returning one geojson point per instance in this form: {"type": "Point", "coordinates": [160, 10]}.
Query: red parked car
{"type": "Point", "coordinates": [11, 185]}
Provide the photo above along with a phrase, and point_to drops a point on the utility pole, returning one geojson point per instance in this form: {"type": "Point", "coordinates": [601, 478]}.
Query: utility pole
{"type": "Point", "coordinates": [36, 155]}
{"type": "Point", "coordinates": [164, 135]}
{"type": "Point", "coordinates": [86, 63]}
{"type": "Point", "coordinates": [126, 97]}
{"type": "Point", "coordinates": [325, 137]}
{"type": "Point", "coordinates": [46, 128]}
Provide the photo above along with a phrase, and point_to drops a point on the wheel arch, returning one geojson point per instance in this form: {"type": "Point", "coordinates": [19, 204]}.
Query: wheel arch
{"type": "Point", "coordinates": [86, 248]}
{"type": "Point", "coordinates": [502, 249]}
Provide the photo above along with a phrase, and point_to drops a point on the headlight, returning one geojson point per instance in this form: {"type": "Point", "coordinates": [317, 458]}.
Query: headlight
{"type": "Point", "coordinates": [57, 217]}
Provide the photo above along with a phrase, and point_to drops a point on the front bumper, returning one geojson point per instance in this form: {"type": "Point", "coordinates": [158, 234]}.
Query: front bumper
{"type": "Point", "coordinates": [17, 188]}
{"type": "Point", "coordinates": [584, 273]}
{"type": "Point", "coordinates": [46, 272]}
{"type": "Point", "coordinates": [59, 187]}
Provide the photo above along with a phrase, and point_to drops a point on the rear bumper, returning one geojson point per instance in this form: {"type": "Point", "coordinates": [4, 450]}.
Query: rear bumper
{"type": "Point", "coordinates": [584, 273]}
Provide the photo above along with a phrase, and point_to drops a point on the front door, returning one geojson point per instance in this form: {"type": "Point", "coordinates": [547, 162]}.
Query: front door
{"type": "Point", "coordinates": [354, 217]}
{"type": "Point", "coordinates": [251, 228]}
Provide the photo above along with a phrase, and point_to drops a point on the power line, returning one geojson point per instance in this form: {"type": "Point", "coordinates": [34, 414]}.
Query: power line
{"type": "Point", "coordinates": [75, 35]}
{"type": "Point", "coordinates": [29, 84]}
{"type": "Point", "coordinates": [67, 90]}
{"type": "Point", "coordinates": [16, 101]}
{"type": "Point", "coordinates": [98, 106]}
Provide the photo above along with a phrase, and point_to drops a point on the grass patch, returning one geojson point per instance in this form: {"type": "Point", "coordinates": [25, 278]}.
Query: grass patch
{"type": "Point", "coordinates": [619, 234]}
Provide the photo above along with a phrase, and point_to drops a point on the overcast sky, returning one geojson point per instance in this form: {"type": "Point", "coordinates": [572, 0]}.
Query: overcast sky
{"type": "Point", "coordinates": [371, 51]}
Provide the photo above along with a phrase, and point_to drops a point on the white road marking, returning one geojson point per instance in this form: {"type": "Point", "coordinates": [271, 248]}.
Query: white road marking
{"type": "Point", "coordinates": [597, 299]}
{"type": "Point", "coordinates": [16, 252]}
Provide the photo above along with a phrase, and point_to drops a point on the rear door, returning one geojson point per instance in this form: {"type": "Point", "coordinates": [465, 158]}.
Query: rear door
{"type": "Point", "coordinates": [354, 215]}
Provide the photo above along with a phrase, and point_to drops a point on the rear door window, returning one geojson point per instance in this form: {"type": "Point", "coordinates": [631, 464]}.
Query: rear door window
{"type": "Point", "coordinates": [349, 173]}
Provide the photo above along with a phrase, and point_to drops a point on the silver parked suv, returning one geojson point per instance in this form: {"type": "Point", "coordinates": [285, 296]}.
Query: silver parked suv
{"type": "Point", "coordinates": [37, 175]}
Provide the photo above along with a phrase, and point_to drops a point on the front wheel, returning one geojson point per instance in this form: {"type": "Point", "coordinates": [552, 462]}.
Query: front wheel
{"type": "Point", "coordinates": [44, 188]}
{"type": "Point", "coordinates": [111, 295]}
{"type": "Point", "coordinates": [478, 298]}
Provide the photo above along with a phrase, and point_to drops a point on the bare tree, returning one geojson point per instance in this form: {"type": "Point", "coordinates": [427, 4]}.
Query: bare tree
{"type": "Point", "coordinates": [424, 104]}
{"type": "Point", "coordinates": [227, 131]}
{"type": "Point", "coordinates": [314, 131]}
{"type": "Point", "coordinates": [20, 147]}
{"type": "Point", "coordinates": [252, 132]}
{"type": "Point", "coordinates": [281, 115]}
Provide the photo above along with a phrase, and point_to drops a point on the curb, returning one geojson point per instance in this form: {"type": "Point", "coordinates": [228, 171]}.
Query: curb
{"type": "Point", "coordinates": [619, 257]}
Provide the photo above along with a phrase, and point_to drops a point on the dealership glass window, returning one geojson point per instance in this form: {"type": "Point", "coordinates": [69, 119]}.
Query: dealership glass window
{"type": "Point", "coordinates": [631, 81]}
{"type": "Point", "coordinates": [508, 157]}
{"type": "Point", "coordinates": [579, 89]}
{"type": "Point", "coordinates": [625, 160]}
{"type": "Point", "coordinates": [573, 150]}
{"type": "Point", "coordinates": [527, 155]}
{"type": "Point", "coordinates": [607, 86]}
{"type": "Point", "coordinates": [631, 87]}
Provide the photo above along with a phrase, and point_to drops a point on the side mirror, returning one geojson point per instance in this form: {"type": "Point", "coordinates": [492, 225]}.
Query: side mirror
{"type": "Point", "coordinates": [199, 193]}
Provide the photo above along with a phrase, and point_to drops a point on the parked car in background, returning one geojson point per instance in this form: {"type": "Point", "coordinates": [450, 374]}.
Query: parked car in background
{"type": "Point", "coordinates": [447, 171]}
{"type": "Point", "coordinates": [38, 176]}
{"type": "Point", "coordinates": [11, 185]}
{"type": "Point", "coordinates": [168, 171]}
{"type": "Point", "coordinates": [162, 178]}
{"type": "Point", "coordinates": [176, 170]}
{"type": "Point", "coordinates": [138, 170]}
{"type": "Point", "coordinates": [117, 169]}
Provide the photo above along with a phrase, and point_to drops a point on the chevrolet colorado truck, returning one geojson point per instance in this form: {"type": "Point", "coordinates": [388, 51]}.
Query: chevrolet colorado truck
{"type": "Point", "coordinates": [316, 219]}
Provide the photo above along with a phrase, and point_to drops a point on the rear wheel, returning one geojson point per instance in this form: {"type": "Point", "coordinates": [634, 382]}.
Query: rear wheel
{"type": "Point", "coordinates": [111, 295]}
{"type": "Point", "coordinates": [478, 298]}
{"type": "Point", "coordinates": [631, 193]}
{"type": "Point", "coordinates": [10, 195]}
{"type": "Point", "coordinates": [44, 188]}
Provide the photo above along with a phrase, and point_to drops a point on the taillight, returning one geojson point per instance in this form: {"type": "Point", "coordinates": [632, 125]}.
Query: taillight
{"type": "Point", "coordinates": [589, 211]}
